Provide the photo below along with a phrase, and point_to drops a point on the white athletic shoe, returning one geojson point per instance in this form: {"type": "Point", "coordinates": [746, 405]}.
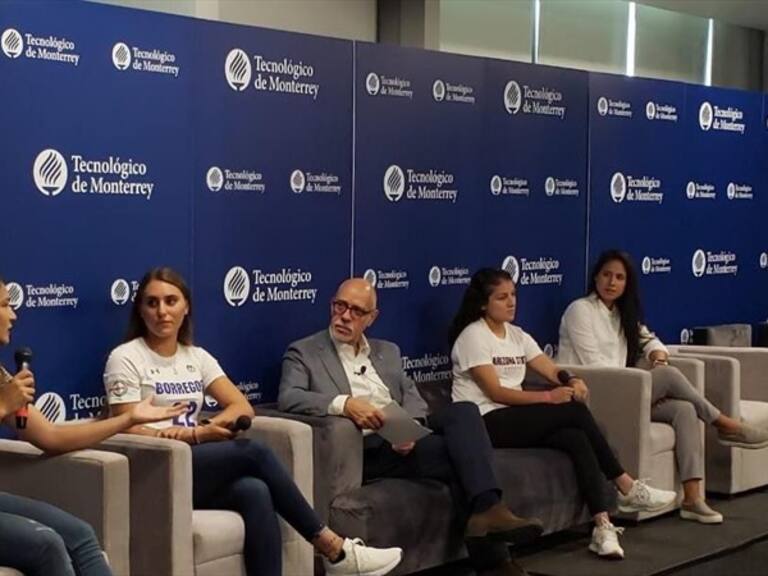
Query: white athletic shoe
{"type": "Point", "coordinates": [362, 560]}
{"type": "Point", "coordinates": [605, 541]}
{"type": "Point", "coordinates": [644, 498]}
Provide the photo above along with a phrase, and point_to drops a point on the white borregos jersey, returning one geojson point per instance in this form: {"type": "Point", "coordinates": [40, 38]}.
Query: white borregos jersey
{"type": "Point", "coordinates": [134, 372]}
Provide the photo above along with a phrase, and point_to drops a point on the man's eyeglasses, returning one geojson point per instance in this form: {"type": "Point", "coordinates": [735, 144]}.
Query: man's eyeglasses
{"type": "Point", "coordinates": [340, 306]}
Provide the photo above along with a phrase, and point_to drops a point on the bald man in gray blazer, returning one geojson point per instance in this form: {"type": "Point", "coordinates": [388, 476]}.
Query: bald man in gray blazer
{"type": "Point", "coordinates": [339, 372]}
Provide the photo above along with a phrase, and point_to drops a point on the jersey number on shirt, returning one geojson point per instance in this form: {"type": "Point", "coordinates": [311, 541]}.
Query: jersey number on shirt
{"type": "Point", "coordinates": [188, 418]}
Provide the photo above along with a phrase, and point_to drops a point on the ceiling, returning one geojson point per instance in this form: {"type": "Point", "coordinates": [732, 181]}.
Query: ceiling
{"type": "Point", "coordinates": [748, 13]}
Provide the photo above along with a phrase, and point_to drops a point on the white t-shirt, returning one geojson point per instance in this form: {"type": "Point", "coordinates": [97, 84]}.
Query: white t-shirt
{"type": "Point", "coordinates": [133, 372]}
{"type": "Point", "coordinates": [477, 345]}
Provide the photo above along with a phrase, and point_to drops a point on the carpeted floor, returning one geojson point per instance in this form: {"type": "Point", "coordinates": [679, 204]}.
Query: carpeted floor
{"type": "Point", "coordinates": [661, 545]}
{"type": "Point", "coordinates": [665, 546]}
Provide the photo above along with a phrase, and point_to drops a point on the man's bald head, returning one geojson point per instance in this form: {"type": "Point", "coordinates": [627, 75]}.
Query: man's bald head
{"type": "Point", "coordinates": [359, 287]}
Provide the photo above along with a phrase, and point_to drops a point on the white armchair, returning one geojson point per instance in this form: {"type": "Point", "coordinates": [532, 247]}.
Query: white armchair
{"type": "Point", "coordinates": [169, 538]}
{"type": "Point", "coordinates": [91, 484]}
{"type": "Point", "coordinates": [736, 383]}
{"type": "Point", "coordinates": [620, 400]}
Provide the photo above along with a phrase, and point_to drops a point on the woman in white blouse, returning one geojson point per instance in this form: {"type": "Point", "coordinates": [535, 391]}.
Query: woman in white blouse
{"type": "Point", "coordinates": [605, 328]}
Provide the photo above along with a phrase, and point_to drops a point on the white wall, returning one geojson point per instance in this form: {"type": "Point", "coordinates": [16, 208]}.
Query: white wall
{"type": "Point", "coordinates": [349, 19]}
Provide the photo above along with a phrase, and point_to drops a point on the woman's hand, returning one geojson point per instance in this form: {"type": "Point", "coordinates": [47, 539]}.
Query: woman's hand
{"type": "Point", "coordinates": [561, 395]}
{"type": "Point", "coordinates": [177, 433]}
{"type": "Point", "coordinates": [213, 433]}
{"type": "Point", "coordinates": [17, 392]}
{"type": "Point", "coordinates": [144, 412]}
{"type": "Point", "coordinates": [658, 358]}
{"type": "Point", "coordinates": [580, 390]}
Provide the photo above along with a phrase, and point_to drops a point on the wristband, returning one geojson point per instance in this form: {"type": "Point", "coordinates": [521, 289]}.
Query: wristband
{"type": "Point", "coordinates": [194, 436]}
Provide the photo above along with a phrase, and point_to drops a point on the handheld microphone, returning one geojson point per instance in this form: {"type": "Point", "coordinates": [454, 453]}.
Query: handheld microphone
{"type": "Point", "coordinates": [563, 376]}
{"type": "Point", "coordinates": [242, 424]}
{"type": "Point", "coordinates": [360, 372]}
{"type": "Point", "coordinates": [23, 358]}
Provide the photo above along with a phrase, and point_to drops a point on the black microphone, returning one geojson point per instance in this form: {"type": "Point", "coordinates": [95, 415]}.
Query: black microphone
{"type": "Point", "coordinates": [241, 424]}
{"type": "Point", "coordinates": [361, 371]}
{"type": "Point", "coordinates": [23, 358]}
{"type": "Point", "coordinates": [563, 376]}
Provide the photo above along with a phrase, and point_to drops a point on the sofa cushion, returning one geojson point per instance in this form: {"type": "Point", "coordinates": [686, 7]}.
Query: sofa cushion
{"type": "Point", "coordinates": [662, 438]}
{"type": "Point", "coordinates": [755, 412]}
{"type": "Point", "coordinates": [217, 534]}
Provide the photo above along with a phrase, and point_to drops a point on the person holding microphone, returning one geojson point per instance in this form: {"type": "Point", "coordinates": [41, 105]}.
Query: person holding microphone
{"type": "Point", "coordinates": [490, 357]}
{"type": "Point", "coordinates": [158, 358]}
{"type": "Point", "coordinates": [38, 538]}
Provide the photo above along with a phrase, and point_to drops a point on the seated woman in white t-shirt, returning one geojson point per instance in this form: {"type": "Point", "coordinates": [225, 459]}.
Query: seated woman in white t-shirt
{"type": "Point", "coordinates": [490, 356]}
{"type": "Point", "coordinates": [605, 328]}
{"type": "Point", "coordinates": [236, 474]}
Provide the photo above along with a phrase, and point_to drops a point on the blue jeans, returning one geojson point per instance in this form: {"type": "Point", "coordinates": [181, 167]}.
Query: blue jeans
{"type": "Point", "coordinates": [245, 476]}
{"type": "Point", "coordinates": [42, 540]}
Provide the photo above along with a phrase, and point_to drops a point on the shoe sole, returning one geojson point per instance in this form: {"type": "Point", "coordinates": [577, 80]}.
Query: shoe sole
{"type": "Point", "coordinates": [521, 535]}
{"type": "Point", "coordinates": [745, 445]}
{"type": "Point", "coordinates": [685, 515]}
{"type": "Point", "coordinates": [610, 556]}
{"type": "Point", "coordinates": [630, 510]}
{"type": "Point", "coordinates": [384, 570]}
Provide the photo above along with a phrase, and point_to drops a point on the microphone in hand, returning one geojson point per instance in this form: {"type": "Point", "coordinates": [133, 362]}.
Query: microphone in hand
{"type": "Point", "coordinates": [242, 424]}
{"type": "Point", "coordinates": [23, 359]}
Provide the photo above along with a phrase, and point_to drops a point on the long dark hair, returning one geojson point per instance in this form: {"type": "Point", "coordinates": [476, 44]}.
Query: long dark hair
{"type": "Point", "coordinates": [136, 326]}
{"type": "Point", "coordinates": [628, 304]}
{"type": "Point", "coordinates": [476, 298]}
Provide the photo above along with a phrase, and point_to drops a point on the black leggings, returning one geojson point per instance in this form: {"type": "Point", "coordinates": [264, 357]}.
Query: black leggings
{"type": "Point", "coordinates": [568, 427]}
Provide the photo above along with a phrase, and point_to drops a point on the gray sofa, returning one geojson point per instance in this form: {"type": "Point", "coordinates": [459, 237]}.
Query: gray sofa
{"type": "Point", "coordinates": [419, 515]}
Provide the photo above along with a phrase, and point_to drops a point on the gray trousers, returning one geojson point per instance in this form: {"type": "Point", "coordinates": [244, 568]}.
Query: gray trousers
{"type": "Point", "coordinates": [676, 402]}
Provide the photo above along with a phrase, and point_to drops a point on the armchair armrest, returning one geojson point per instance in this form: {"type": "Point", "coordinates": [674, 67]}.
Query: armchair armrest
{"type": "Point", "coordinates": [620, 400]}
{"type": "Point", "coordinates": [161, 493]}
{"type": "Point", "coordinates": [338, 456]}
{"type": "Point", "coordinates": [291, 441]}
{"type": "Point", "coordinates": [90, 484]}
{"type": "Point", "coordinates": [753, 367]}
{"type": "Point", "coordinates": [723, 381]}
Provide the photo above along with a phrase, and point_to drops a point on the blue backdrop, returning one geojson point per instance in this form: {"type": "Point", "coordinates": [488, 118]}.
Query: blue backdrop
{"type": "Point", "coordinates": [267, 166]}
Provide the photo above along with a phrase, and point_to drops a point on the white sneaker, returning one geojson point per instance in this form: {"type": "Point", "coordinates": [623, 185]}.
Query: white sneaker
{"type": "Point", "coordinates": [644, 498]}
{"type": "Point", "coordinates": [605, 541]}
{"type": "Point", "coordinates": [362, 560]}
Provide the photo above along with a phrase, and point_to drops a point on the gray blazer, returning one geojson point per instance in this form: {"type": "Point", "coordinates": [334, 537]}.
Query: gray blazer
{"type": "Point", "coordinates": [313, 376]}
